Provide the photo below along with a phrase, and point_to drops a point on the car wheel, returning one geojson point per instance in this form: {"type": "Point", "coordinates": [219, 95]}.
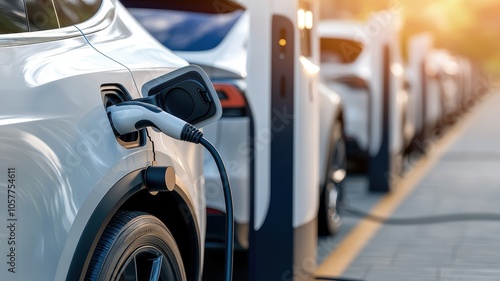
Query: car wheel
{"type": "Point", "coordinates": [331, 196]}
{"type": "Point", "coordinates": [136, 246]}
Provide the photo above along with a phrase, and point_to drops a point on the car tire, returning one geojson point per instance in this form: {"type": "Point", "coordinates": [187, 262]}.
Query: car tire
{"type": "Point", "coordinates": [331, 195]}
{"type": "Point", "coordinates": [136, 243]}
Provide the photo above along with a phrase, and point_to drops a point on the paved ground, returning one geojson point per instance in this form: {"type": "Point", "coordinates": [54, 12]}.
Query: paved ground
{"type": "Point", "coordinates": [462, 176]}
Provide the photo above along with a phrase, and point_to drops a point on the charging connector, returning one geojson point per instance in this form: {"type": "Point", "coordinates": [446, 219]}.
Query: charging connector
{"type": "Point", "coordinates": [131, 116]}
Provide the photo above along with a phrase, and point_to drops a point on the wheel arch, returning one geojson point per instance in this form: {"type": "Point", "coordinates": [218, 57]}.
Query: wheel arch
{"type": "Point", "coordinates": [337, 117]}
{"type": "Point", "coordinates": [175, 209]}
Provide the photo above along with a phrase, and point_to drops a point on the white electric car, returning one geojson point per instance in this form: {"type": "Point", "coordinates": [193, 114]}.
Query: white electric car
{"type": "Point", "coordinates": [444, 69]}
{"type": "Point", "coordinates": [466, 85]}
{"type": "Point", "coordinates": [78, 201]}
{"type": "Point", "coordinates": [425, 87]}
{"type": "Point", "coordinates": [217, 39]}
{"type": "Point", "coordinates": [365, 68]}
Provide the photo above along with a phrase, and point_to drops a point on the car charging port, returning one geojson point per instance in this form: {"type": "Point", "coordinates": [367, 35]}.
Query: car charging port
{"type": "Point", "coordinates": [113, 94]}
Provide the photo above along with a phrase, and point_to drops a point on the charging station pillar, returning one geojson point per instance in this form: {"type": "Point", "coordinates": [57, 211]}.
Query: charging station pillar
{"type": "Point", "coordinates": [282, 92]}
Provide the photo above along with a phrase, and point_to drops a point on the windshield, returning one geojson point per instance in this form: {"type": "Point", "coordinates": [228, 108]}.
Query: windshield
{"type": "Point", "coordinates": [336, 50]}
{"type": "Point", "coordinates": [185, 30]}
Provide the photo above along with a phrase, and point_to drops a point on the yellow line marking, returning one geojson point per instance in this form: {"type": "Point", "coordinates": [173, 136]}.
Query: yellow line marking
{"type": "Point", "coordinates": [355, 241]}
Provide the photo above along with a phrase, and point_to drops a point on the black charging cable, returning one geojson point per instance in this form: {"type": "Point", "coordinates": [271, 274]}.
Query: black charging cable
{"type": "Point", "coordinates": [190, 133]}
{"type": "Point", "coordinates": [229, 208]}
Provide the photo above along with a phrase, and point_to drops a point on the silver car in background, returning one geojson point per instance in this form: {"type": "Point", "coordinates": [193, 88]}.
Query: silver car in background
{"type": "Point", "coordinates": [217, 40]}
{"type": "Point", "coordinates": [366, 70]}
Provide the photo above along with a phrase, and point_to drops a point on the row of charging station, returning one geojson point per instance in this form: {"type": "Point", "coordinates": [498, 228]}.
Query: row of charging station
{"type": "Point", "coordinates": [282, 77]}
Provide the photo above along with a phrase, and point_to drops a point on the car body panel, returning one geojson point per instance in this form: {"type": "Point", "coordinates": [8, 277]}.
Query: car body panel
{"type": "Point", "coordinates": [47, 120]}
{"type": "Point", "coordinates": [446, 68]}
{"type": "Point", "coordinates": [418, 47]}
{"type": "Point", "coordinates": [362, 114]}
{"type": "Point", "coordinates": [56, 134]}
{"type": "Point", "coordinates": [232, 139]}
{"type": "Point", "coordinates": [332, 105]}
{"type": "Point", "coordinates": [356, 100]}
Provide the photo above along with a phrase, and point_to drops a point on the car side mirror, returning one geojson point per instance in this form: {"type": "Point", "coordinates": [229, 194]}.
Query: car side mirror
{"type": "Point", "coordinates": [186, 93]}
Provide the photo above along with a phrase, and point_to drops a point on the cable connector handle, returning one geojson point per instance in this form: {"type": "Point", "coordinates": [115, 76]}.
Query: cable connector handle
{"type": "Point", "coordinates": [131, 116]}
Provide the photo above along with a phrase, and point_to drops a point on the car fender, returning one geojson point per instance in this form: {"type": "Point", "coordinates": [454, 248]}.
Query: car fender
{"type": "Point", "coordinates": [112, 190]}
{"type": "Point", "coordinates": [330, 111]}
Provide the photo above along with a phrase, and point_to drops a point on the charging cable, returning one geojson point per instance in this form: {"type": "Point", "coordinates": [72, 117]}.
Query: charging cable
{"type": "Point", "coordinates": [229, 207]}
{"type": "Point", "coordinates": [130, 116]}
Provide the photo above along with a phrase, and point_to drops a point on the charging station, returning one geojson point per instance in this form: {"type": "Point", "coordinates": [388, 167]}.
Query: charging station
{"type": "Point", "coordinates": [282, 81]}
{"type": "Point", "coordinates": [387, 106]}
{"type": "Point", "coordinates": [427, 101]}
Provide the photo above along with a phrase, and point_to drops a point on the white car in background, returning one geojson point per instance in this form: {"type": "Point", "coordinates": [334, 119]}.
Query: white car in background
{"type": "Point", "coordinates": [366, 70]}
{"type": "Point", "coordinates": [76, 203]}
{"type": "Point", "coordinates": [217, 41]}
{"type": "Point", "coordinates": [425, 87]}
{"type": "Point", "coordinates": [444, 69]}
{"type": "Point", "coordinates": [466, 84]}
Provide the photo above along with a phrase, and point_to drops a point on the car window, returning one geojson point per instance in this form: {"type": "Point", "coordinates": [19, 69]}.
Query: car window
{"type": "Point", "coordinates": [76, 11]}
{"type": "Point", "coordinates": [41, 15]}
{"type": "Point", "coordinates": [182, 30]}
{"type": "Point", "coordinates": [12, 17]}
{"type": "Point", "coordinates": [52, 14]}
{"type": "Point", "coordinates": [336, 50]}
